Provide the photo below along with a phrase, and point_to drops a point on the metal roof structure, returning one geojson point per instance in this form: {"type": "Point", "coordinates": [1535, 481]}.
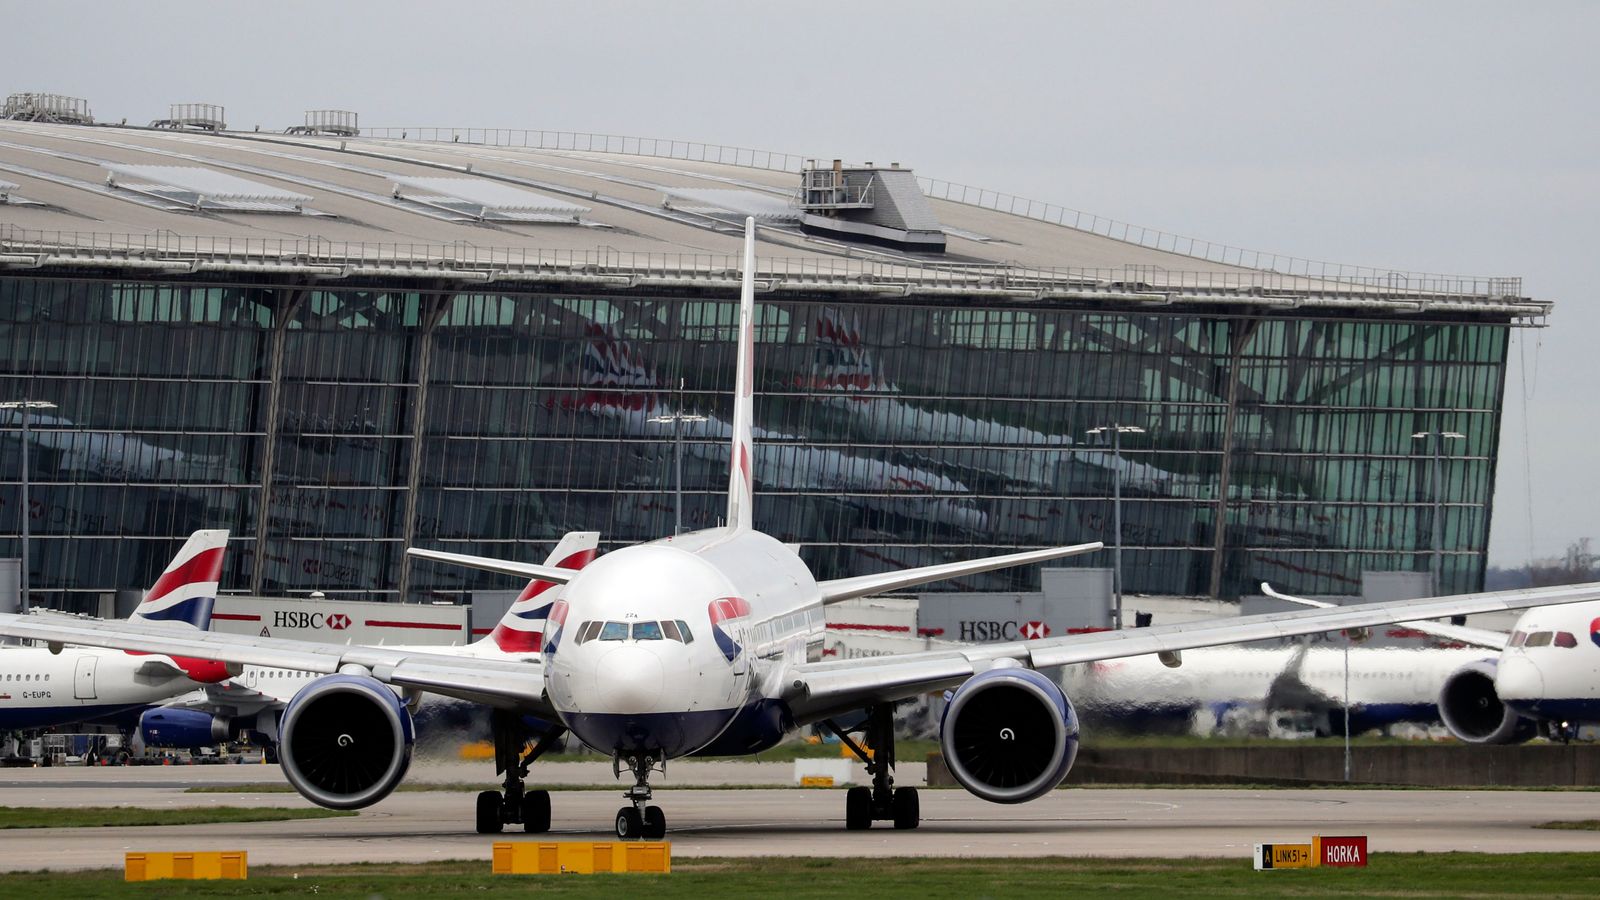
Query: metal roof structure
{"type": "Point", "coordinates": [1000, 248]}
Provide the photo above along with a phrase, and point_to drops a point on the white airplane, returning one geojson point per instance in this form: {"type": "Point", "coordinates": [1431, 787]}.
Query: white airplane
{"type": "Point", "coordinates": [1387, 686]}
{"type": "Point", "coordinates": [1543, 680]}
{"type": "Point", "coordinates": [40, 689]}
{"type": "Point", "coordinates": [703, 643]}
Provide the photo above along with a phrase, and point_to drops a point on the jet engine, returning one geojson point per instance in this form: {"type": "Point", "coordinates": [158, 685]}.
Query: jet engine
{"type": "Point", "coordinates": [1473, 711]}
{"type": "Point", "coordinates": [345, 741]}
{"type": "Point", "coordinates": [183, 728]}
{"type": "Point", "coordinates": [1009, 735]}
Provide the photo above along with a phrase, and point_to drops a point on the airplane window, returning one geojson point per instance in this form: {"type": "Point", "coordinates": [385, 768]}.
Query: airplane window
{"type": "Point", "coordinates": [1566, 639]}
{"type": "Point", "coordinates": [1517, 637]}
{"type": "Point", "coordinates": [670, 629]}
{"type": "Point", "coordinates": [647, 631]}
{"type": "Point", "coordinates": [614, 631]}
{"type": "Point", "coordinates": [1538, 639]}
{"type": "Point", "coordinates": [683, 628]}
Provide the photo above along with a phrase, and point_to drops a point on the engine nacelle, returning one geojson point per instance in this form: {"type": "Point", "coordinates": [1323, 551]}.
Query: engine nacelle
{"type": "Point", "coordinates": [183, 728]}
{"type": "Point", "coordinates": [1009, 735]}
{"type": "Point", "coordinates": [345, 741]}
{"type": "Point", "coordinates": [1473, 711]}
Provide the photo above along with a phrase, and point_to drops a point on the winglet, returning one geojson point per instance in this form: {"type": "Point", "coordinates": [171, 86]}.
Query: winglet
{"type": "Point", "coordinates": [186, 592]}
{"type": "Point", "coordinates": [1476, 637]}
{"type": "Point", "coordinates": [741, 488]}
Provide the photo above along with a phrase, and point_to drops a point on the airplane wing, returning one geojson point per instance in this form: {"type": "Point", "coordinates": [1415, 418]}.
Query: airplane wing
{"type": "Point", "coordinates": [817, 690]}
{"type": "Point", "coordinates": [508, 684]}
{"type": "Point", "coordinates": [1473, 637]}
{"type": "Point", "coordinates": [864, 585]}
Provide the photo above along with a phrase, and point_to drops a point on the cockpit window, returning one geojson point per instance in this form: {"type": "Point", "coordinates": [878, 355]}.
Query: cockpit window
{"type": "Point", "coordinates": [647, 631]}
{"type": "Point", "coordinates": [1538, 639]}
{"type": "Point", "coordinates": [614, 631]}
{"type": "Point", "coordinates": [670, 629]}
{"type": "Point", "coordinates": [1517, 637]}
{"type": "Point", "coordinates": [683, 629]}
{"type": "Point", "coordinates": [1566, 639]}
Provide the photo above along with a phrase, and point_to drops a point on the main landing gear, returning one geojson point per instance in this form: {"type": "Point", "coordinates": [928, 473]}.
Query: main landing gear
{"type": "Point", "coordinates": [640, 821]}
{"type": "Point", "coordinates": [883, 801]}
{"type": "Point", "coordinates": [530, 809]}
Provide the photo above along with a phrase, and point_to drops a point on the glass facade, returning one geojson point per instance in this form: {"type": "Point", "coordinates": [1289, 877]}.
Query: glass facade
{"type": "Point", "coordinates": [329, 428]}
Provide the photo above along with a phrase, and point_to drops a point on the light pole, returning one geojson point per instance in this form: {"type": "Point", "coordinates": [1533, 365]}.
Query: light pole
{"type": "Point", "coordinates": [677, 440]}
{"type": "Point", "coordinates": [24, 406]}
{"type": "Point", "coordinates": [1117, 431]}
{"type": "Point", "coordinates": [1437, 439]}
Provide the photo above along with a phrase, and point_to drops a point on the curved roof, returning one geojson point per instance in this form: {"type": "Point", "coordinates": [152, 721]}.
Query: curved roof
{"type": "Point", "coordinates": [524, 207]}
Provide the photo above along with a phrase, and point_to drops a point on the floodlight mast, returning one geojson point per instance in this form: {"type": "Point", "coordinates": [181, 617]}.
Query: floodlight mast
{"type": "Point", "coordinates": [1117, 431]}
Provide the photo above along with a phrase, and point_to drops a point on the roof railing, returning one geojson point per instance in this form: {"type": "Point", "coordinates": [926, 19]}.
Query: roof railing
{"type": "Point", "coordinates": [22, 249]}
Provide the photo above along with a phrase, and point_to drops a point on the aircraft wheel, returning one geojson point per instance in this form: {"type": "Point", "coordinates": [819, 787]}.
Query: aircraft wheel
{"type": "Point", "coordinates": [907, 808]}
{"type": "Point", "coordinates": [858, 808]}
{"type": "Point", "coordinates": [630, 827]}
{"type": "Point", "coordinates": [536, 812]}
{"type": "Point", "coordinates": [489, 813]}
{"type": "Point", "coordinates": [655, 823]}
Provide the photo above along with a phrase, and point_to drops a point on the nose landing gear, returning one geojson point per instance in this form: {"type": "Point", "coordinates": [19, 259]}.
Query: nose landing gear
{"type": "Point", "coordinates": [883, 801]}
{"type": "Point", "coordinates": [640, 821]}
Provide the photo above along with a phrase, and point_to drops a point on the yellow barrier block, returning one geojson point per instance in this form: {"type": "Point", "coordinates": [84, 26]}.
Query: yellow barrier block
{"type": "Point", "coordinates": [847, 753]}
{"type": "Point", "coordinates": [477, 750]}
{"type": "Point", "coordinates": [231, 864]}
{"type": "Point", "coordinates": [816, 781]}
{"type": "Point", "coordinates": [581, 857]}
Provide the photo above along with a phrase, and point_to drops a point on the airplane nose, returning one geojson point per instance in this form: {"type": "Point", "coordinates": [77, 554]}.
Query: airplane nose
{"type": "Point", "coordinates": [629, 680]}
{"type": "Point", "coordinates": [1518, 678]}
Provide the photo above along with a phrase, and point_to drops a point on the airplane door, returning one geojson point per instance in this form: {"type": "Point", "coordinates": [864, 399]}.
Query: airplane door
{"type": "Point", "coordinates": [250, 676]}
{"type": "Point", "coordinates": [83, 679]}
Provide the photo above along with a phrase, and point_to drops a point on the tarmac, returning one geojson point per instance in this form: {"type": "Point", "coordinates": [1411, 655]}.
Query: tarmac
{"type": "Point", "coordinates": [768, 820]}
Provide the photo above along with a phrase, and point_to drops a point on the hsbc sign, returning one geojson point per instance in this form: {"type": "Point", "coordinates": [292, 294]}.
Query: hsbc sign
{"type": "Point", "coordinates": [286, 618]}
{"type": "Point", "coordinates": [976, 618]}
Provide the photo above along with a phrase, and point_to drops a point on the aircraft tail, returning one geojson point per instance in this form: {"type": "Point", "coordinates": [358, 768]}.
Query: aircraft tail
{"type": "Point", "coordinates": [741, 485]}
{"type": "Point", "coordinates": [521, 629]}
{"type": "Point", "coordinates": [186, 592]}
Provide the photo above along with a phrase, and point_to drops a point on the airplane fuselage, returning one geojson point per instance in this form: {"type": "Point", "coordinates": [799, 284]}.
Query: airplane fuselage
{"type": "Point", "coordinates": [40, 689]}
{"type": "Point", "coordinates": [680, 645]}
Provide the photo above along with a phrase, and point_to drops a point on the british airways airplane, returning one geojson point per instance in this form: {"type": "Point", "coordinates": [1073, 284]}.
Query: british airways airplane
{"type": "Point", "coordinates": [40, 689]}
{"type": "Point", "coordinates": [1544, 679]}
{"type": "Point", "coordinates": [707, 643]}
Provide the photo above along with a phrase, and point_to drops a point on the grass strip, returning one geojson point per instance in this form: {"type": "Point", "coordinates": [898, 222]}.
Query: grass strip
{"type": "Point", "coordinates": [107, 816]}
{"type": "Point", "coordinates": [1399, 874]}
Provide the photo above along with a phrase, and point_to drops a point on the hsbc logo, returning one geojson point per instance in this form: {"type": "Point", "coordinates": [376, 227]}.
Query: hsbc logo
{"type": "Point", "coordinates": [284, 618]}
{"type": "Point", "coordinates": [993, 630]}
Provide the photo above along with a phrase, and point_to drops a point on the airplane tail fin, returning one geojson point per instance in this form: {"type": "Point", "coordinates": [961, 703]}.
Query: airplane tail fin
{"type": "Point", "coordinates": [187, 588]}
{"type": "Point", "coordinates": [741, 486]}
{"type": "Point", "coordinates": [521, 629]}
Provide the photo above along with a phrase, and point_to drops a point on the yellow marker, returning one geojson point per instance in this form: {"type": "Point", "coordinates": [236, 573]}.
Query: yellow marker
{"type": "Point", "coordinates": [816, 781]}
{"type": "Point", "coordinates": [581, 857]}
{"type": "Point", "coordinates": [231, 864]}
{"type": "Point", "coordinates": [1285, 856]}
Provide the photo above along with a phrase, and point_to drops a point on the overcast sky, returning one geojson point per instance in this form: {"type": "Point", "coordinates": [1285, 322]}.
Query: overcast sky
{"type": "Point", "coordinates": [1442, 137]}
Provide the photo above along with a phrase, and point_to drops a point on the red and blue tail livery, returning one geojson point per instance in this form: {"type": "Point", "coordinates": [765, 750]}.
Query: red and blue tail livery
{"type": "Point", "coordinates": [523, 627]}
{"type": "Point", "coordinates": [187, 589]}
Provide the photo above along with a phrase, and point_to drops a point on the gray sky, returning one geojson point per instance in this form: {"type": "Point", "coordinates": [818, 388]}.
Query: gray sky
{"type": "Point", "coordinates": [1442, 137]}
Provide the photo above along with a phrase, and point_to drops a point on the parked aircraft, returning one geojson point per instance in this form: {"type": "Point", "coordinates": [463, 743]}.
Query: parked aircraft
{"type": "Point", "coordinates": [703, 643]}
{"type": "Point", "coordinates": [1543, 679]}
{"type": "Point", "coordinates": [42, 689]}
{"type": "Point", "coordinates": [1216, 688]}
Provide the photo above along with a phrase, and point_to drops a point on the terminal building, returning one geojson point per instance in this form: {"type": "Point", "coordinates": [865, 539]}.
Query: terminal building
{"type": "Point", "coordinates": [340, 344]}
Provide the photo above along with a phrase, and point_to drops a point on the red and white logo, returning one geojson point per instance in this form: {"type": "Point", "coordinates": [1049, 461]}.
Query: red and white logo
{"type": "Point", "coordinates": [338, 621]}
{"type": "Point", "coordinates": [1032, 631]}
